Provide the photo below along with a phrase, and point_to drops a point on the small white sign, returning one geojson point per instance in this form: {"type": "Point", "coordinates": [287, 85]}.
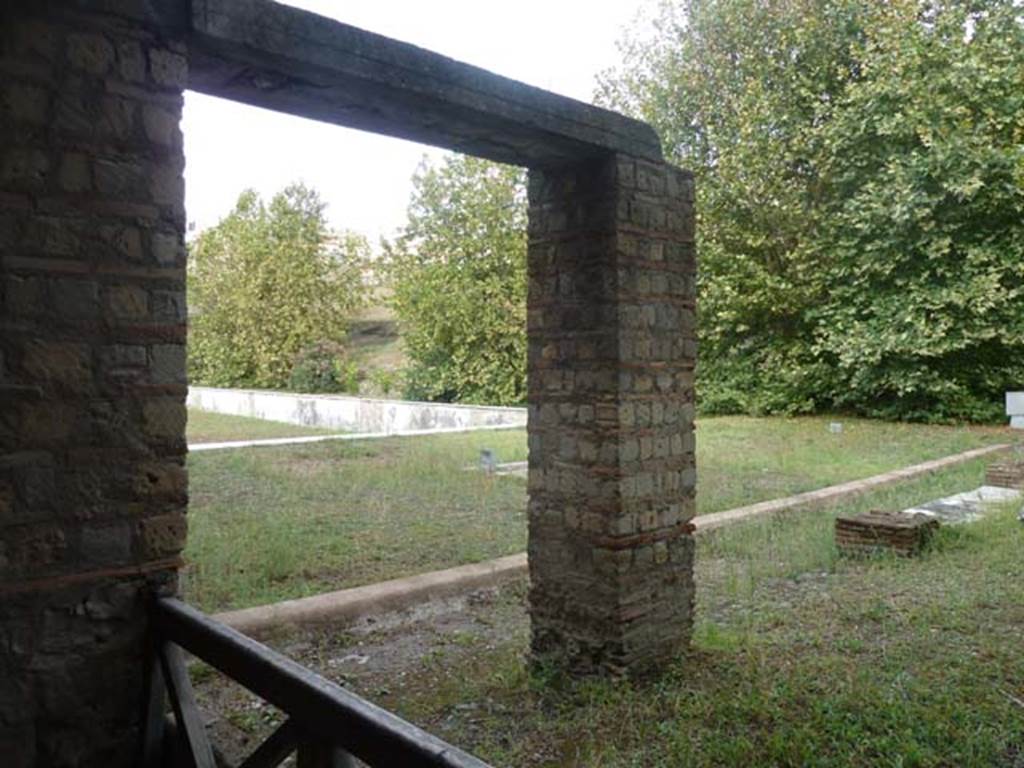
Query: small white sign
{"type": "Point", "coordinates": [1015, 409]}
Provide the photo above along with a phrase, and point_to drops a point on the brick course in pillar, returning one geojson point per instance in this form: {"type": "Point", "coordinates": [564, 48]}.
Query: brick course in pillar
{"type": "Point", "coordinates": [92, 479]}
{"type": "Point", "coordinates": [612, 348]}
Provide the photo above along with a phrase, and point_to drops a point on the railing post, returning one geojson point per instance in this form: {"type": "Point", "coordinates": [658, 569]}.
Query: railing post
{"type": "Point", "coordinates": [153, 725]}
{"type": "Point", "coordinates": [190, 722]}
{"type": "Point", "coordinates": [331, 725]}
{"type": "Point", "coordinates": [317, 754]}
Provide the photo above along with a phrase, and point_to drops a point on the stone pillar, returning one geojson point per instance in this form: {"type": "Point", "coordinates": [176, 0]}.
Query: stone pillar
{"type": "Point", "coordinates": [92, 369]}
{"type": "Point", "coordinates": [611, 363]}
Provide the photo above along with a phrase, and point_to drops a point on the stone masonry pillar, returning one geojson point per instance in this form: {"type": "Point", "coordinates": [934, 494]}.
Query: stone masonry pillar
{"type": "Point", "coordinates": [92, 368]}
{"type": "Point", "coordinates": [611, 363]}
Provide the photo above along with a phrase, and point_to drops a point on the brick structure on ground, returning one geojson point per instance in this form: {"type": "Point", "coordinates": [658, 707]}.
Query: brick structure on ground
{"type": "Point", "coordinates": [92, 307]}
{"type": "Point", "coordinates": [1006, 474]}
{"type": "Point", "coordinates": [612, 347]}
{"type": "Point", "coordinates": [876, 532]}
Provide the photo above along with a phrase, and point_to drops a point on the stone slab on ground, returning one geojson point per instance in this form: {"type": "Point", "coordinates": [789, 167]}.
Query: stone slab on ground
{"type": "Point", "coordinates": [964, 507]}
{"type": "Point", "coordinates": [876, 531]}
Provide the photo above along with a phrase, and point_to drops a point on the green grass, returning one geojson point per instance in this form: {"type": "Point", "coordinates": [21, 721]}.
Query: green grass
{"type": "Point", "coordinates": [273, 523]}
{"type": "Point", "coordinates": [743, 460]}
{"type": "Point", "coordinates": [800, 658]}
{"type": "Point", "coordinates": [207, 427]}
{"type": "Point", "coordinates": [268, 524]}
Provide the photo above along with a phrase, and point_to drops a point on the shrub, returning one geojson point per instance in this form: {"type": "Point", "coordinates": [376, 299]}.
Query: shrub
{"type": "Point", "coordinates": [320, 367]}
{"type": "Point", "coordinates": [385, 381]}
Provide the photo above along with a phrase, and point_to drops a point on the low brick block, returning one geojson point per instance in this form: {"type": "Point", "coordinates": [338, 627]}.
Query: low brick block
{"type": "Point", "coordinates": [875, 531]}
{"type": "Point", "coordinates": [1005, 474]}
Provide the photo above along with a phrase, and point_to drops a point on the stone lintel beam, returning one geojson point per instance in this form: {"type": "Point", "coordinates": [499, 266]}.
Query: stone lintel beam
{"type": "Point", "coordinates": [289, 60]}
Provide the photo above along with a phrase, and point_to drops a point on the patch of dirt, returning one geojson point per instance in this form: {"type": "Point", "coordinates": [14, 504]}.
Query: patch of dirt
{"type": "Point", "coordinates": [375, 658]}
{"type": "Point", "coordinates": [391, 657]}
{"type": "Point", "coordinates": [309, 467]}
{"type": "Point", "coordinates": [320, 458]}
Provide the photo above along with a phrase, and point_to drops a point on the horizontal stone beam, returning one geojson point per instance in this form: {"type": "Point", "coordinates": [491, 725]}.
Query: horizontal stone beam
{"type": "Point", "coordinates": [289, 60]}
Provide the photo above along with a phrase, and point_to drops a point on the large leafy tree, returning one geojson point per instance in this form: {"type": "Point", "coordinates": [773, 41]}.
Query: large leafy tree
{"type": "Point", "coordinates": [815, 127]}
{"type": "Point", "coordinates": [924, 227]}
{"type": "Point", "coordinates": [265, 283]}
{"type": "Point", "coordinates": [458, 272]}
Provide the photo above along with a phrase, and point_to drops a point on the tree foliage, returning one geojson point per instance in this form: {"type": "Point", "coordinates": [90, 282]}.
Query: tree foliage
{"type": "Point", "coordinates": [458, 272]}
{"type": "Point", "coordinates": [264, 284]}
{"type": "Point", "coordinates": [923, 230]}
{"type": "Point", "coordinates": [860, 198]}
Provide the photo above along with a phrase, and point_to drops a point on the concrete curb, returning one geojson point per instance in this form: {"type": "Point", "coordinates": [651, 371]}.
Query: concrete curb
{"type": "Point", "coordinates": [349, 605]}
{"type": "Point", "coordinates": [824, 497]}
{"type": "Point", "coordinates": [272, 441]}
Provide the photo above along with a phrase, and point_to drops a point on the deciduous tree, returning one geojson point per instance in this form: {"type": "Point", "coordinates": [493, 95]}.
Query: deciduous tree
{"type": "Point", "coordinates": [860, 197]}
{"type": "Point", "coordinates": [458, 271]}
{"type": "Point", "coordinates": [266, 282]}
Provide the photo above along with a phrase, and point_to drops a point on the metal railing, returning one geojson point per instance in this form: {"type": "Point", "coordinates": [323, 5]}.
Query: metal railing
{"type": "Point", "coordinates": [327, 725]}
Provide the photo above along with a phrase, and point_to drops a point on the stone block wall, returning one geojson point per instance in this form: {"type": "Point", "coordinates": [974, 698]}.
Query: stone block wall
{"type": "Point", "coordinates": [92, 367]}
{"type": "Point", "coordinates": [611, 332]}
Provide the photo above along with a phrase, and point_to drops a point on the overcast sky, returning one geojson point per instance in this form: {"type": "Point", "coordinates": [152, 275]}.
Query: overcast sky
{"type": "Point", "coordinates": [559, 45]}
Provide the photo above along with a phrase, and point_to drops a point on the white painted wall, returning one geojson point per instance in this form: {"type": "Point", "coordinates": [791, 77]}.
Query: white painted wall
{"type": "Point", "coordinates": [351, 414]}
{"type": "Point", "coordinates": [1015, 409]}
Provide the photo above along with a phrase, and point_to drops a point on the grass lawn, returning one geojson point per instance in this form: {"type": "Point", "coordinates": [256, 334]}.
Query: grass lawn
{"type": "Point", "coordinates": [799, 658]}
{"type": "Point", "coordinates": [207, 427]}
{"type": "Point", "coordinates": [268, 524]}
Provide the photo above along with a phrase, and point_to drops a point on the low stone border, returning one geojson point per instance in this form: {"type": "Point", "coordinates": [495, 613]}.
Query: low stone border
{"type": "Point", "coordinates": [271, 441]}
{"type": "Point", "coordinates": [834, 493]}
{"type": "Point", "coordinates": [349, 605]}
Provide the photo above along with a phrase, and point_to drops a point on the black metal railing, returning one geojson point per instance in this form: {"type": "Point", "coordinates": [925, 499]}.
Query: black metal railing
{"type": "Point", "coordinates": [327, 725]}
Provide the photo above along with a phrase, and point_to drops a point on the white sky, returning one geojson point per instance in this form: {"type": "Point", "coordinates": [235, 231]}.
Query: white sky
{"type": "Point", "coordinates": [559, 45]}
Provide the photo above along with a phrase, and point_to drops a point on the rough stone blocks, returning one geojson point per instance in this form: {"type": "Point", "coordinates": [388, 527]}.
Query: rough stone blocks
{"type": "Point", "coordinates": [612, 346]}
{"type": "Point", "coordinates": [92, 479]}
